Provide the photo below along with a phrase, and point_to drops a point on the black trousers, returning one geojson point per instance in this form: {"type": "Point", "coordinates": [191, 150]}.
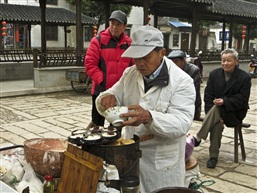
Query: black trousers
{"type": "Point", "coordinates": [96, 117]}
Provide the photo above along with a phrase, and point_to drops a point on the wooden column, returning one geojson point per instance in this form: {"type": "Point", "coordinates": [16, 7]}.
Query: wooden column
{"type": "Point", "coordinates": [79, 41]}
{"type": "Point", "coordinates": [107, 13]}
{"type": "Point", "coordinates": [146, 4]}
{"type": "Point", "coordinates": [223, 35]}
{"type": "Point", "coordinates": [65, 36]}
{"type": "Point", "coordinates": [231, 26]}
{"type": "Point", "coordinates": [29, 35]}
{"type": "Point", "coordinates": [43, 30]}
{"type": "Point", "coordinates": [194, 33]}
{"type": "Point", "coordinates": [247, 38]}
{"type": "Point", "coordinates": [155, 20]}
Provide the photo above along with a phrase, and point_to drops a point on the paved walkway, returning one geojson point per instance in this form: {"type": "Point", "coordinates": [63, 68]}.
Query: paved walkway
{"type": "Point", "coordinates": [57, 114]}
{"type": "Point", "coordinates": [25, 87]}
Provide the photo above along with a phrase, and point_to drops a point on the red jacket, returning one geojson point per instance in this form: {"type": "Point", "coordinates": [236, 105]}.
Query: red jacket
{"type": "Point", "coordinates": [103, 62]}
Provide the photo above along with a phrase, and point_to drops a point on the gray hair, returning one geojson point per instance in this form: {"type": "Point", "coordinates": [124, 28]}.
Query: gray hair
{"type": "Point", "coordinates": [230, 51]}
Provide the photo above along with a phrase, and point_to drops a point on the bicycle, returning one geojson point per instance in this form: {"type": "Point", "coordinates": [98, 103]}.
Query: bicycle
{"type": "Point", "coordinates": [80, 81]}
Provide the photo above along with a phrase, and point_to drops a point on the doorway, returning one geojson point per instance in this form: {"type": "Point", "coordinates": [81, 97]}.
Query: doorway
{"type": "Point", "coordinates": [184, 41]}
{"type": "Point", "coordinates": [166, 37]}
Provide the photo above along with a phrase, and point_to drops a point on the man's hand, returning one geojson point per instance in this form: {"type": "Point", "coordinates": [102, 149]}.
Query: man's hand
{"type": "Point", "coordinates": [136, 116]}
{"type": "Point", "coordinates": [108, 101]}
{"type": "Point", "coordinates": [218, 102]}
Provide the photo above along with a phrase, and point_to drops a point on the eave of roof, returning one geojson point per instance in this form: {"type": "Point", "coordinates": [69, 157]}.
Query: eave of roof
{"type": "Point", "coordinates": [32, 14]}
{"type": "Point", "coordinates": [209, 9]}
{"type": "Point", "coordinates": [204, 1]}
{"type": "Point", "coordinates": [235, 7]}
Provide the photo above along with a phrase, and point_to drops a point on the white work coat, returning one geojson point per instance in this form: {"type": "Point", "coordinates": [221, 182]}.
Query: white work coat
{"type": "Point", "coordinates": [172, 108]}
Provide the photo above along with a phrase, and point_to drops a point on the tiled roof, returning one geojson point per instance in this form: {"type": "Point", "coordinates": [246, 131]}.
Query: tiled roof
{"type": "Point", "coordinates": [215, 9]}
{"type": "Point", "coordinates": [235, 7]}
{"type": "Point", "coordinates": [238, 8]}
{"type": "Point", "coordinates": [231, 7]}
{"type": "Point", "coordinates": [204, 1]}
{"type": "Point", "coordinates": [32, 14]}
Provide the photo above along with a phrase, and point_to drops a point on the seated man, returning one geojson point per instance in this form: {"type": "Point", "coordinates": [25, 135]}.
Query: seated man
{"type": "Point", "coordinates": [226, 99]}
{"type": "Point", "coordinates": [178, 57]}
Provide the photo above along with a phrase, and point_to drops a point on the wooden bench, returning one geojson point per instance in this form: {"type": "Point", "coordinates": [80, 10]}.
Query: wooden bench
{"type": "Point", "coordinates": [237, 141]}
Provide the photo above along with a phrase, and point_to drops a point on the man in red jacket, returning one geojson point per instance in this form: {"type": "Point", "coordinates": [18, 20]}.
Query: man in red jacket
{"type": "Point", "coordinates": [103, 62]}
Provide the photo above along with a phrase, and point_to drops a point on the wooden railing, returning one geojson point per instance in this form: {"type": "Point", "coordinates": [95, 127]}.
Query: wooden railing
{"type": "Point", "coordinates": [68, 57]}
{"type": "Point", "coordinates": [52, 57]}
{"type": "Point", "coordinates": [211, 55]}
{"type": "Point", "coordinates": [57, 58]}
{"type": "Point", "coordinates": [215, 56]}
{"type": "Point", "coordinates": [16, 55]}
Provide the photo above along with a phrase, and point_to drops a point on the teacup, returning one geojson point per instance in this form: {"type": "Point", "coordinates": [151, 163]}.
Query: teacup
{"type": "Point", "coordinates": [112, 115]}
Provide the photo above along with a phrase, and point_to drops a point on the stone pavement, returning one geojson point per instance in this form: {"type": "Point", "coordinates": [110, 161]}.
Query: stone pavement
{"type": "Point", "coordinates": [57, 114]}
{"type": "Point", "coordinates": [26, 87]}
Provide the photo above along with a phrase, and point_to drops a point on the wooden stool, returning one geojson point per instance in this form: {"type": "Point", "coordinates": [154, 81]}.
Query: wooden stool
{"type": "Point", "coordinates": [191, 163]}
{"type": "Point", "coordinates": [238, 132]}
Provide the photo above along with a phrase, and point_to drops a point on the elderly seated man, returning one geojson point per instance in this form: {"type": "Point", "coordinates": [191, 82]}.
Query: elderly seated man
{"type": "Point", "coordinates": [226, 99]}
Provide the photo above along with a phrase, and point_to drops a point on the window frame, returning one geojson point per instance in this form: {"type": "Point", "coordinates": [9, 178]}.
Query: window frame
{"type": "Point", "coordinates": [51, 33]}
{"type": "Point", "coordinates": [175, 40]}
{"type": "Point", "coordinates": [52, 2]}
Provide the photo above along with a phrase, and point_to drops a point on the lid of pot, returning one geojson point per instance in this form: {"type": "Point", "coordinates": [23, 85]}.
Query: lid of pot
{"type": "Point", "coordinates": [130, 181]}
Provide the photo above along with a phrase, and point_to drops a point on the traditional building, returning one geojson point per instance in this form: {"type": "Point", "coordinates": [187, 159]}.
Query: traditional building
{"type": "Point", "coordinates": [23, 19]}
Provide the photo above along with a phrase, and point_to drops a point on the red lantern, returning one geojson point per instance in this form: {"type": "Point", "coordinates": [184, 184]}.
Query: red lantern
{"type": "Point", "coordinates": [3, 31]}
{"type": "Point", "coordinates": [95, 30]}
{"type": "Point", "coordinates": [17, 34]}
{"type": "Point", "coordinates": [3, 23]}
{"type": "Point", "coordinates": [243, 31]}
{"type": "Point", "coordinates": [149, 18]}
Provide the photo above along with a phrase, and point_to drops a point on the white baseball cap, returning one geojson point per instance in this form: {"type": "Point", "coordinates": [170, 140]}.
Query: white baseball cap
{"type": "Point", "coordinates": [144, 40]}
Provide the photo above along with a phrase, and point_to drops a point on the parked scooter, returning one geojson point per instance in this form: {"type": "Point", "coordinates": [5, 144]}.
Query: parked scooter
{"type": "Point", "coordinates": [253, 67]}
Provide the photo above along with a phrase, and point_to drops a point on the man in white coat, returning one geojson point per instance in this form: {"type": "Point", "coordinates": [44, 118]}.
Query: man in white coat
{"type": "Point", "coordinates": [160, 98]}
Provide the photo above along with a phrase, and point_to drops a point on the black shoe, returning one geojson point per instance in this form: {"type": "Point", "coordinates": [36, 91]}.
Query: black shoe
{"type": "Point", "coordinates": [212, 163]}
{"type": "Point", "coordinates": [197, 143]}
